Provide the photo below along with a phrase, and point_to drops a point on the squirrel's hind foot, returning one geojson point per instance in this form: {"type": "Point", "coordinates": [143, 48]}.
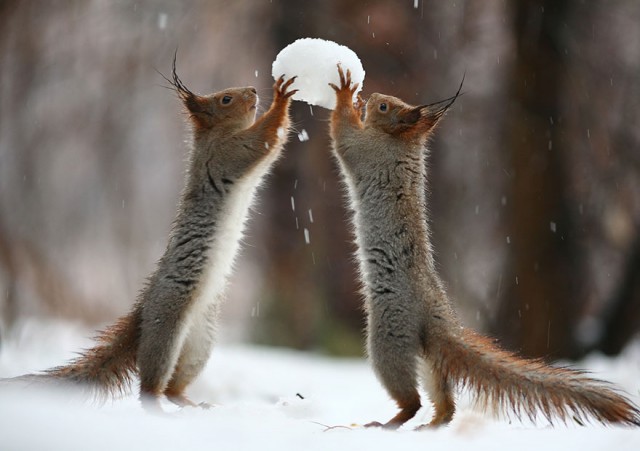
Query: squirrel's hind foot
{"type": "Point", "coordinates": [182, 400]}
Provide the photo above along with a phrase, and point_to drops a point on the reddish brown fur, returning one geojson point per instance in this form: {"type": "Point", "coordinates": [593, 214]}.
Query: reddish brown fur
{"type": "Point", "coordinates": [194, 104]}
{"type": "Point", "coordinates": [452, 357]}
{"type": "Point", "coordinates": [345, 101]}
{"type": "Point", "coordinates": [104, 371]}
{"type": "Point", "coordinates": [107, 369]}
{"type": "Point", "coordinates": [408, 409]}
{"type": "Point", "coordinates": [277, 117]}
{"type": "Point", "coordinates": [505, 382]}
{"type": "Point", "coordinates": [176, 395]}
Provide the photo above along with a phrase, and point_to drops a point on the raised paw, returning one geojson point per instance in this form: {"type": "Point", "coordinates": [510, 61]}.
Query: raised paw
{"type": "Point", "coordinates": [360, 103]}
{"type": "Point", "coordinates": [345, 82]}
{"type": "Point", "coordinates": [281, 86]}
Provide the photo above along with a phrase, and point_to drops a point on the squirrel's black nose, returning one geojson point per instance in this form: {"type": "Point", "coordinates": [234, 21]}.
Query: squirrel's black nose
{"type": "Point", "coordinates": [253, 90]}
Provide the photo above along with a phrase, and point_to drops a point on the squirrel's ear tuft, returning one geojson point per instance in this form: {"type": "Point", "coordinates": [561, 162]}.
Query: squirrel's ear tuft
{"type": "Point", "coordinates": [191, 101]}
{"type": "Point", "coordinates": [411, 117]}
{"type": "Point", "coordinates": [433, 112]}
{"type": "Point", "coordinates": [419, 120]}
{"type": "Point", "coordinates": [429, 117]}
{"type": "Point", "coordinates": [195, 105]}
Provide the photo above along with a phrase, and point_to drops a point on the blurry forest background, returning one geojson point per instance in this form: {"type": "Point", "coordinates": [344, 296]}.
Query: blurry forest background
{"type": "Point", "coordinates": [535, 173]}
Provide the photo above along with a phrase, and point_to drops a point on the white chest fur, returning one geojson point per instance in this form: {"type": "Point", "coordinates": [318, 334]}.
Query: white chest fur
{"type": "Point", "coordinates": [226, 240]}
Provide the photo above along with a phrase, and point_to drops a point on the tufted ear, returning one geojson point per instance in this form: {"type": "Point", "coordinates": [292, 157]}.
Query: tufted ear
{"type": "Point", "coordinates": [196, 105]}
{"type": "Point", "coordinates": [422, 119]}
{"type": "Point", "coordinates": [410, 117]}
{"type": "Point", "coordinates": [419, 120]}
{"type": "Point", "coordinates": [429, 115]}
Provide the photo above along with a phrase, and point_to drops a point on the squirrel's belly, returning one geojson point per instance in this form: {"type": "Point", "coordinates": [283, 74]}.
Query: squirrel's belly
{"type": "Point", "coordinates": [225, 243]}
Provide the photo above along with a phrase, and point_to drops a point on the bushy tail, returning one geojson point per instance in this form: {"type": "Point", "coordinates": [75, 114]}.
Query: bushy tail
{"type": "Point", "coordinates": [104, 371]}
{"type": "Point", "coordinates": [504, 382]}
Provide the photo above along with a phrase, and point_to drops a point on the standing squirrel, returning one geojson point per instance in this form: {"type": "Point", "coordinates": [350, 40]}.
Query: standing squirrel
{"type": "Point", "coordinates": [413, 334]}
{"type": "Point", "coordinates": [167, 338]}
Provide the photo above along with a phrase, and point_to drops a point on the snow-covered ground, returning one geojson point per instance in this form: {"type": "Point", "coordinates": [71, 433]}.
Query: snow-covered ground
{"type": "Point", "coordinates": [270, 399]}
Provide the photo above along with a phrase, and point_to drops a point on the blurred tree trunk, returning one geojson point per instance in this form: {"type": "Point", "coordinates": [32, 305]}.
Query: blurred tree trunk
{"type": "Point", "coordinates": [543, 297]}
{"type": "Point", "coordinates": [623, 317]}
{"type": "Point", "coordinates": [8, 306]}
{"type": "Point", "coordinates": [602, 103]}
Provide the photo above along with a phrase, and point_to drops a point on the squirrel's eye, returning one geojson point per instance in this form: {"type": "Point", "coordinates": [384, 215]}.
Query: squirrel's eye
{"type": "Point", "coordinates": [383, 107]}
{"type": "Point", "coordinates": [226, 100]}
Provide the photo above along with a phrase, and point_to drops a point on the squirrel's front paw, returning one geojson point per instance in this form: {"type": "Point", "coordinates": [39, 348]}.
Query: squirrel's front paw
{"type": "Point", "coordinates": [360, 103]}
{"type": "Point", "coordinates": [281, 86]}
{"type": "Point", "coordinates": [345, 91]}
{"type": "Point", "coordinates": [345, 82]}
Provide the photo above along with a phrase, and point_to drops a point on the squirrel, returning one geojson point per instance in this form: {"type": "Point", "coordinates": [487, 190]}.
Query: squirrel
{"type": "Point", "coordinates": [413, 333]}
{"type": "Point", "coordinates": [167, 337]}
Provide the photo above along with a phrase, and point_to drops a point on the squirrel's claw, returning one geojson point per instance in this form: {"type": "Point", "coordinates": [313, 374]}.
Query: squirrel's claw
{"type": "Point", "coordinates": [280, 87]}
{"type": "Point", "coordinates": [289, 82]}
{"type": "Point", "coordinates": [346, 89]}
{"type": "Point", "coordinates": [360, 103]}
{"type": "Point", "coordinates": [290, 93]}
{"type": "Point", "coordinates": [345, 81]}
{"type": "Point", "coordinates": [341, 74]}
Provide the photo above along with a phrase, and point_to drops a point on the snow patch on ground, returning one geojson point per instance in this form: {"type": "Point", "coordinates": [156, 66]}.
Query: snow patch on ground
{"type": "Point", "coordinates": [269, 399]}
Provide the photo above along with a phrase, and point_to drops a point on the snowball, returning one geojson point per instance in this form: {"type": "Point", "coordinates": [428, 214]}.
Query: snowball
{"type": "Point", "coordinates": [315, 62]}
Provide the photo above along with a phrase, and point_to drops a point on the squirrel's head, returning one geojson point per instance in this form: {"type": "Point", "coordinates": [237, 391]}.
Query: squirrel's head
{"type": "Point", "coordinates": [233, 107]}
{"type": "Point", "coordinates": [395, 117]}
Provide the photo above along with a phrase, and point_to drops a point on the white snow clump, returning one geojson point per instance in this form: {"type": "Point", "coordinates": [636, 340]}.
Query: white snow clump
{"type": "Point", "coordinates": [315, 62]}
